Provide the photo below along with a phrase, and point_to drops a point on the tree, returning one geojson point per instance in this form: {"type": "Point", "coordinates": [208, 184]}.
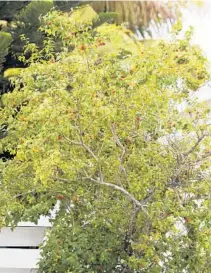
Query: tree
{"type": "Point", "coordinates": [96, 127]}
{"type": "Point", "coordinates": [22, 18]}
{"type": "Point", "coordinates": [16, 19]}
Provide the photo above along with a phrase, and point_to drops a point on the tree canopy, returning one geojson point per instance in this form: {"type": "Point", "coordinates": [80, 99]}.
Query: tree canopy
{"type": "Point", "coordinates": [18, 18]}
{"type": "Point", "coordinates": [96, 127]}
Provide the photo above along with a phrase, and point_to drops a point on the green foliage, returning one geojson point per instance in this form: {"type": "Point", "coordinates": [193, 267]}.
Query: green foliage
{"type": "Point", "coordinates": [27, 22]}
{"type": "Point", "coordinates": [5, 41]}
{"type": "Point", "coordinates": [96, 129]}
{"type": "Point", "coordinates": [23, 18]}
{"type": "Point", "coordinates": [19, 18]}
{"type": "Point", "coordinates": [12, 72]}
{"type": "Point", "coordinates": [77, 247]}
{"type": "Point", "coordinates": [106, 17]}
{"type": "Point", "coordinates": [8, 9]}
{"type": "Point", "coordinates": [66, 5]}
{"type": "Point", "coordinates": [83, 15]}
{"type": "Point", "coordinates": [29, 15]}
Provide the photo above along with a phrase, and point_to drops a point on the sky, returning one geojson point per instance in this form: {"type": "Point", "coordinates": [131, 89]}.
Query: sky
{"type": "Point", "coordinates": [200, 19]}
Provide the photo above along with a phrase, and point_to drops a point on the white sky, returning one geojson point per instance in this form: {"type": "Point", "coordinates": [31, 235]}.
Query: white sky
{"type": "Point", "coordinates": [200, 19]}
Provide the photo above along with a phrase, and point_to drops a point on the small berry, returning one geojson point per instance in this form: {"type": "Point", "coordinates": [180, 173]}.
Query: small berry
{"type": "Point", "coordinates": [60, 197]}
{"type": "Point", "coordinates": [187, 220]}
{"type": "Point", "coordinates": [82, 47]}
{"type": "Point", "coordinates": [101, 44]}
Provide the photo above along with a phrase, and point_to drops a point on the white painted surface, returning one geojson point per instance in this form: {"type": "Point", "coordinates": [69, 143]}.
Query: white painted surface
{"type": "Point", "coordinates": [42, 222]}
{"type": "Point", "coordinates": [27, 234]}
{"type": "Point", "coordinates": [22, 236]}
{"type": "Point", "coordinates": [18, 258]}
{"type": "Point", "coordinates": [17, 270]}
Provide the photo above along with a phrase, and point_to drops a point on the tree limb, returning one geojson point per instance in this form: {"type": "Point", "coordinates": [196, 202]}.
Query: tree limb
{"type": "Point", "coordinates": [122, 157]}
{"type": "Point", "coordinates": [128, 195]}
{"type": "Point", "coordinates": [81, 143]}
{"type": "Point", "coordinates": [195, 145]}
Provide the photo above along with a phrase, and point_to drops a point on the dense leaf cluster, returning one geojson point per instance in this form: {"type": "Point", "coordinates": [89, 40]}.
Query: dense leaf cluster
{"type": "Point", "coordinates": [98, 131]}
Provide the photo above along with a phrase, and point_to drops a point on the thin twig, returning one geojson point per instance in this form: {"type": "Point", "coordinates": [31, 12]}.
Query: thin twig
{"type": "Point", "coordinates": [81, 143]}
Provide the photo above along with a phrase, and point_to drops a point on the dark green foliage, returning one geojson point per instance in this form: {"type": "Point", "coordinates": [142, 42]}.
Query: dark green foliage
{"type": "Point", "coordinates": [5, 41]}
{"type": "Point", "coordinates": [18, 18]}
{"type": "Point", "coordinates": [27, 22]}
{"type": "Point", "coordinates": [30, 14]}
{"type": "Point", "coordinates": [8, 9]}
{"type": "Point", "coordinates": [108, 17]}
{"type": "Point", "coordinates": [66, 5]}
{"type": "Point", "coordinates": [82, 245]}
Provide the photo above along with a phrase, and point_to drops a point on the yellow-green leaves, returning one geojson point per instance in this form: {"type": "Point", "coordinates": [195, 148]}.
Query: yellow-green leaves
{"type": "Point", "coordinates": [83, 16]}
{"type": "Point", "coordinates": [94, 125]}
{"type": "Point", "coordinates": [12, 72]}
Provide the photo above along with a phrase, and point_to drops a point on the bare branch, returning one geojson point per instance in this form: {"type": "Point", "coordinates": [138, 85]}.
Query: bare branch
{"type": "Point", "coordinates": [203, 157]}
{"type": "Point", "coordinates": [132, 221]}
{"type": "Point", "coordinates": [122, 157]}
{"type": "Point", "coordinates": [131, 229]}
{"type": "Point", "coordinates": [71, 141]}
{"type": "Point", "coordinates": [89, 151]}
{"type": "Point", "coordinates": [24, 193]}
{"type": "Point", "coordinates": [195, 145]}
{"type": "Point", "coordinates": [81, 143]}
{"type": "Point", "coordinates": [118, 188]}
{"type": "Point", "coordinates": [118, 142]}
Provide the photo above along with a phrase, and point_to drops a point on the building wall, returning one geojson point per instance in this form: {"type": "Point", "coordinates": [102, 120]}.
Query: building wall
{"type": "Point", "coordinates": [19, 251]}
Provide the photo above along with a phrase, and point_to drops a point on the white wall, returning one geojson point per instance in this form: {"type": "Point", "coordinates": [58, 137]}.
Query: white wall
{"type": "Point", "coordinates": [22, 236]}
{"type": "Point", "coordinates": [15, 256]}
{"type": "Point", "coordinates": [21, 260]}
